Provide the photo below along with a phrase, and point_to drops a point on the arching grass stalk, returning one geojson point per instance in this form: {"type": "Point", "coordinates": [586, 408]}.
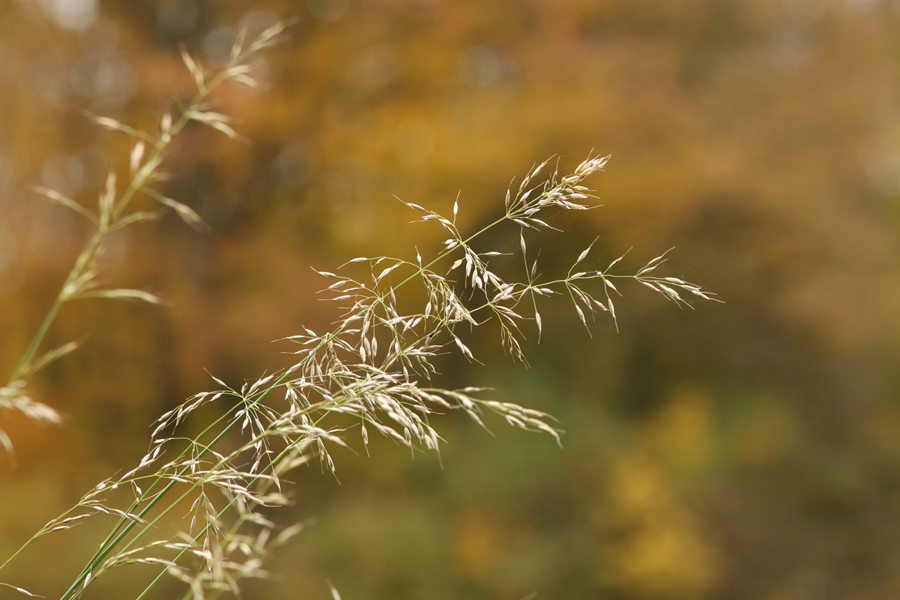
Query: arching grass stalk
{"type": "Point", "coordinates": [375, 367]}
{"type": "Point", "coordinates": [372, 366]}
{"type": "Point", "coordinates": [146, 160]}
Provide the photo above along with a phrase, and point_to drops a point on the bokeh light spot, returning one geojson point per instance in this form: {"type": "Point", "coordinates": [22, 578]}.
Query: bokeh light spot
{"type": "Point", "coordinates": [72, 14]}
{"type": "Point", "coordinates": [480, 66]}
{"type": "Point", "coordinates": [217, 45]}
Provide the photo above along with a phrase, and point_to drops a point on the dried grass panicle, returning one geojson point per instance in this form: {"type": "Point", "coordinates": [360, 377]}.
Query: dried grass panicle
{"type": "Point", "coordinates": [375, 366]}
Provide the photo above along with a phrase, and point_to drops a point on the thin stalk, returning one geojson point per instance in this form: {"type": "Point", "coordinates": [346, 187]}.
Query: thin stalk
{"type": "Point", "coordinates": [76, 272]}
{"type": "Point", "coordinates": [221, 513]}
{"type": "Point", "coordinates": [103, 228]}
{"type": "Point", "coordinates": [96, 241]}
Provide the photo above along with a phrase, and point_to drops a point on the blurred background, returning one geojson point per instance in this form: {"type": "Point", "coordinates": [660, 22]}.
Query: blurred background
{"type": "Point", "coordinates": [749, 450]}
